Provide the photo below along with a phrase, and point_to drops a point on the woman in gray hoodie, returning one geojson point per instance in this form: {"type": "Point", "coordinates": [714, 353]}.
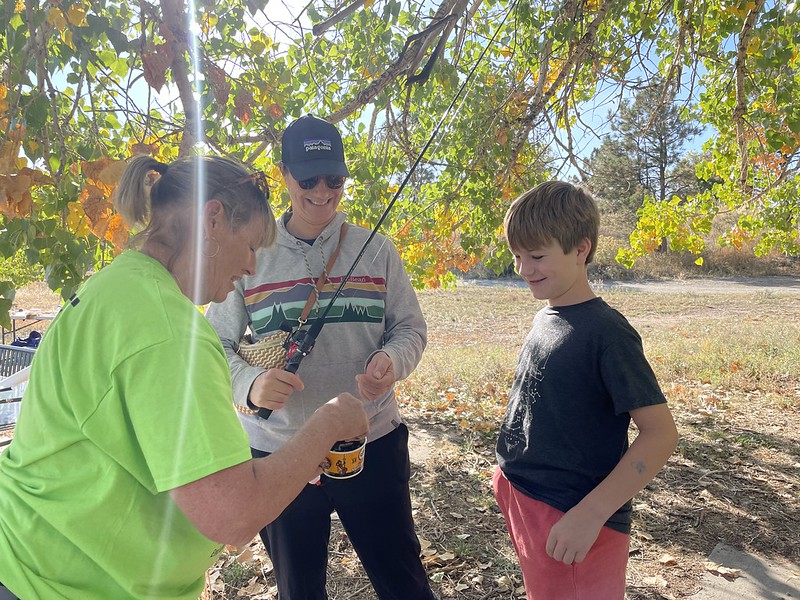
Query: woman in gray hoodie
{"type": "Point", "coordinates": [373, 336]}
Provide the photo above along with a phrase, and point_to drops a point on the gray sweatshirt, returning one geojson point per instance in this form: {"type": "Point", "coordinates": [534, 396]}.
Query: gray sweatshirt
{"type": "Point", "coordinates": [377, 310]}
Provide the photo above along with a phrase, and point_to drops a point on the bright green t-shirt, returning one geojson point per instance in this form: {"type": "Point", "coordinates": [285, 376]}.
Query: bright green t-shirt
{"type": "Point", "coordinates": [129, 397]}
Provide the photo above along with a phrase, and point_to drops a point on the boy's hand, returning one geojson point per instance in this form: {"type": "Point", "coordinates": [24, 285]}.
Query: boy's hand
{"type": "Point", "coordinates": [377, 378]}
{"type": "Point", "coordinates": [572, 537]}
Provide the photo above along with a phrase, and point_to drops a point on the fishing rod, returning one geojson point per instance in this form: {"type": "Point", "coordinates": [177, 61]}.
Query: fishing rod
{"type": "Point", "coordinates": [300, 342]}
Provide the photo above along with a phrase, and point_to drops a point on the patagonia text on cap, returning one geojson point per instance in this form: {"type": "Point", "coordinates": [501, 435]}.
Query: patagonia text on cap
{"type": "Point", "coordinates": [311, 146]}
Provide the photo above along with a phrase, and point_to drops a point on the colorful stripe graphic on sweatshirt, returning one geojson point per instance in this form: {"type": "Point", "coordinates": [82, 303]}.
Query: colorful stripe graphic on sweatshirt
{"type": "Point", "coordinates": [362, 301]}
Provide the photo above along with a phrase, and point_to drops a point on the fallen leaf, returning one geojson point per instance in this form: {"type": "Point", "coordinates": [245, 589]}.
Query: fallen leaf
{"type": "Point", "coordinates": [253, 587]}
{"type": "Point", "coordinates": [655, 581]}
{"type": "Point", "coordinates": [667, 560]}
{"type": "Point", "coordinates": [245, 557]}
{"type": "Point", "coordinates": [718, 569]}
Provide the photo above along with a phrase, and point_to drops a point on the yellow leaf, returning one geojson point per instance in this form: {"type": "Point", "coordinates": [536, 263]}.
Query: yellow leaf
{"type": "Point", "coordinates": [3, 91]}
{"type": "Point", "coordinates": [76, 15]}
{"type": "Point", "coordinates": [209, 22]}
{"type": "Point", "coordinates": [56, 18]}
{"type": "Point", "coordinates": [699, 261]}
{"type": "Point", "coordinates": [77, 220]}
{"type": "Point", "coordinates": [66, 36]}
{"type": "Point", "coordinates": [368, 3]}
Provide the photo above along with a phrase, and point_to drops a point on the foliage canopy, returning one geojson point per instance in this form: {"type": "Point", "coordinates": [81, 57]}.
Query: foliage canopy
{"type": "Point", "coordinates": [84, 84]}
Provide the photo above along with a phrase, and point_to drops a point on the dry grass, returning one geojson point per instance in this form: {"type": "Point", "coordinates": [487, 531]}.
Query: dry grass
{"type": "Point", "coordinates": [36, 295]}
{"type": "Point", "coordinates": [727, 363]}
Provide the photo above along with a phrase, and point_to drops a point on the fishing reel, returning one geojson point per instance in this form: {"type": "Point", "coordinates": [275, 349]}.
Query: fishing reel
{"type": "Point", "coordinates": [298, 344]}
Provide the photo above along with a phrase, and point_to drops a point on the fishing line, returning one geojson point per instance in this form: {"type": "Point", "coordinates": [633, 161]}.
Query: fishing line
{"type": "Point", "coordinates": [301, 341]}
{"type": "Point", "coordinates": [453, 114]}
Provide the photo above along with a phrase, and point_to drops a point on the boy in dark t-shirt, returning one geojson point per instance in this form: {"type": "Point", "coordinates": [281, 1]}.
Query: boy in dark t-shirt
{"type": "Point", "coordinates": [565, 474]}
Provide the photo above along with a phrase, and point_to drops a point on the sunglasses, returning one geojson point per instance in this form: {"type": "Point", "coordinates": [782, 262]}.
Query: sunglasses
{"type": "Point", "coordinates": [333, 182]}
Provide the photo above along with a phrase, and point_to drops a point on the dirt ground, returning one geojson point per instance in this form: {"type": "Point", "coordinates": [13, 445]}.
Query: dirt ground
{"type": "Point", "coordinates": [739, 487]}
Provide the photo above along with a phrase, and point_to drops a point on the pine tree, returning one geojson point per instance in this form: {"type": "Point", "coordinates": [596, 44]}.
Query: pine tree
{"type": "Point", "coordinates": [644, 155]}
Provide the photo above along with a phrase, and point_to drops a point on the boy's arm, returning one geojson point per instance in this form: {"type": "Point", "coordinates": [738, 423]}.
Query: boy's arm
{"type": "Point", "coordinates": [574, 534]}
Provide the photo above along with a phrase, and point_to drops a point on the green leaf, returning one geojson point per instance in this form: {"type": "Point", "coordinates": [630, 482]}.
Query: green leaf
{"type": "Point", "coordinates": [37, 111]}
{"type": "Point", "coordinates": [7, 293]}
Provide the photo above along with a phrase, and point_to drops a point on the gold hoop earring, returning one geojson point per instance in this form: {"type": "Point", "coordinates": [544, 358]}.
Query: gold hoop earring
{"type": "Point", "coordinates": [213, 254]}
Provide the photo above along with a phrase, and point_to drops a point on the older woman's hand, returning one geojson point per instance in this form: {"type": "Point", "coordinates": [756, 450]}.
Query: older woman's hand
{"type": "Point", "coordinates": [346, 413]}
{"type": "Point", "coordinates": [272, 388]}
{"type": "Point", "coordinates": [377, 378]}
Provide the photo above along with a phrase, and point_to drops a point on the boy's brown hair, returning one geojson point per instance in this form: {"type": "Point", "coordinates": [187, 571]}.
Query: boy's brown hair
{"type": "Point", "coordinates": [554, 210]}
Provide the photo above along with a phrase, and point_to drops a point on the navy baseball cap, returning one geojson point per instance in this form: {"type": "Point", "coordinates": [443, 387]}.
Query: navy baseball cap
{"type": "Point", "coordinates": [311, 146]}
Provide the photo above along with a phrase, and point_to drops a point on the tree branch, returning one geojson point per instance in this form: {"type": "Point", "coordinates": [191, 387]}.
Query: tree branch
{"type": "Point", "coordinates": [336, 18]}
{"type": "Point", "coordinates": [397, 68]}
{"type": "Point", "coordinates": [740, 109]}
{"type": "Point", "coordinates": [542, 96]}
{"type": "Point", "coordinates": [176, 35]}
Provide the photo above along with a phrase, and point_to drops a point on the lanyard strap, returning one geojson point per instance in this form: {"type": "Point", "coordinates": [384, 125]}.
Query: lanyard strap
{"type": "Point", "coordinates": [323, 279]}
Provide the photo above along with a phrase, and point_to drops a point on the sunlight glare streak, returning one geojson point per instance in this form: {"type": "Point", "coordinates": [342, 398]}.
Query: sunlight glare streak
{"type": "Point", "coordinates": [196, 287]}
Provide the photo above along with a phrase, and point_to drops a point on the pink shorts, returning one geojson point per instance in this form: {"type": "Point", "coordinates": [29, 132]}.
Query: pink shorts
{"type": "Point", "coordinates": [600, 576]}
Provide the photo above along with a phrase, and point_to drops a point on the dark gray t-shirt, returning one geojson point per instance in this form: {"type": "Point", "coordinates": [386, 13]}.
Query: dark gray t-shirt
{"type": "Point", "coordinates": [580, 370]}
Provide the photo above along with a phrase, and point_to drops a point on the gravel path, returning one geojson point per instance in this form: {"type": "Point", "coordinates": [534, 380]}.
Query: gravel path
{"type": "Point", "coordinates": [727, 285]}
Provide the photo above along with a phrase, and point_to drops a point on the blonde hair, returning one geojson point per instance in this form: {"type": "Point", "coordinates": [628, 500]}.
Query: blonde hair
{"type": "Point", "coordinates": [552, 211]}
{"type": "Point", "coordinates": [162, 198]}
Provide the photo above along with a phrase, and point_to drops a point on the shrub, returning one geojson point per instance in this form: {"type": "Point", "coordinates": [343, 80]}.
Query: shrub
{"type": "Point", "coordinates": [17, 270]}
